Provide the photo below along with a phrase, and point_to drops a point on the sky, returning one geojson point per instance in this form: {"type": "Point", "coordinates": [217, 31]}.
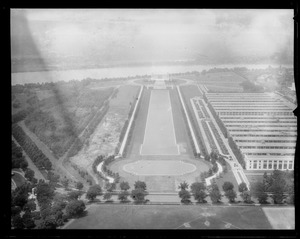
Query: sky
{"type": "Point", "coordinates": [151, 34]}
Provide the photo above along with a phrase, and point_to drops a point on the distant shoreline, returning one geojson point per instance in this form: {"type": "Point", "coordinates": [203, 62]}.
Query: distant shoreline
{"type": "Point", "coordinates": [23, 66]}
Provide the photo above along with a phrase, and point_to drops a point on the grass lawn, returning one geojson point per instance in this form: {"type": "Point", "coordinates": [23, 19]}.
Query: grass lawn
{"type": "Point", "coordinates": [281, 218]}
{"type": "Point", "coordinates": [171, 217]}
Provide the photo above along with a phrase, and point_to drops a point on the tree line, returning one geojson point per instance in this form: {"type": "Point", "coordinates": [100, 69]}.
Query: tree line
{"type": "Point", "coordinates": [35, 154]}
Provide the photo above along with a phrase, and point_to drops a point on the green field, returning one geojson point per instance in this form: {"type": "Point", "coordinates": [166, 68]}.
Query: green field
{"type": "Point", "coordinates": [171, 217]}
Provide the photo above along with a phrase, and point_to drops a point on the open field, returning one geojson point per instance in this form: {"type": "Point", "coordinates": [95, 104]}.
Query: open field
{"type": "Point", "coordinates": [171, 217]}
{"type": "Point", "coordinates": [280, 218]}
{"type": "Point", "coordinates": [159, 136]}
{"type": "Point", "coordinates": [220, 81]}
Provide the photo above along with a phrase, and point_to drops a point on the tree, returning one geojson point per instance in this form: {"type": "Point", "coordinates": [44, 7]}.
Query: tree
{"type": "Point", "coordinates": [215, 167]}
{"type": "Point", "coordinates": [278, 194]}
{"type": "Point", "coordinates": [231, 195]}
{"type": "Point", "coordinates": [141, 185]}
{"type": "Point", "coordinates": [197, 187]}
{"type": "Point", "coordinates": [123, 196]}
{"type": "Point", "coordinates": [79, 185]}
{"type": "Point", "coordinates": [30, 206]}
{"type": "Point", "coordinates": [227, 186]}
{"type": "Point", "coordinates": [214, 155]}
{"type": "Point", "coordinates": [44, 192]}
{"type": "Point", "coordinates": [246, 196]}
{"type": "Point", "coordinates": [48, 222]}
{"type": "Point", "coordinates": [183, 186]}
{"type": "Point", "coordinates": [243, 187]}
{"type": "Point", "coordinates": [75, 208]}
{"type": "Point", "coordinates": [200, 196]}
{"type": "Point", "coordinates": [124, 186]}
{"type": "Point", "coordinates": [110, 187]}
{"type": "Point", "coordinates": [107, 196]}
{"type": "Point", "coordinates": [184, 195]}
{"type": "Point", "coordinates": [207, 157]}
{"type": "Point", "coordinates": [93, 192]}
{"type": "Point", "coordinates": [290, 190]}
{"type": "Point", "coordinates": [17, 222]}
{"type": "Point", "coordinates": [15, 210]}
{"type": "Point", "coordinates": [278, 186]}
{"type": "Point", "coordinates": [74, 195]}
{"type": "Point", "coordinates": [29, 174]}
{"type": "Point", "coordinates": [45, 212]}
{"type": "Point", "coordinates": [28, 220]}
{"type": "Point", "coordinates": [267, 181]}
{"type": "Point", "coordinates": [258, 191]}
{"type": "Point", "coordinates": [65, 183]}
{"type": "Point", "coordinates": [138, 195]}
{"type": "Point", "coordinates": [19, 199]}
{"type": "Point", "coordinates": [215, 194]}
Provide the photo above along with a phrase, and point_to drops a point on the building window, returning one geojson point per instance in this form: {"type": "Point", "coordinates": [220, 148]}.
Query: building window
{"type": "Point", "coordinates": [280, 165]}
{"type": "Point", "coordinates": [290, 165]}
{"type": "Point", "coordinates": [265, 164]}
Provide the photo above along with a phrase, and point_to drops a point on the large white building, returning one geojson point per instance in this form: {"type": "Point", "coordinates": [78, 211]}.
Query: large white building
{"type": "Point", "coordinates": [262, 125]}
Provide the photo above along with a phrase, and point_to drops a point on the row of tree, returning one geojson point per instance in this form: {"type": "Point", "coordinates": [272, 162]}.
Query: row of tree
{"type": "Point", "coordinates": [279, 185]}
{"type": "Point", "coordinates": [17, 158]}
{"type": "Point", "coordinates": [35, 154]}
{"type": "Point", "coordinates": [200, 192]}
{"type": "Point", "coordinates": [237, 152]}
{"type": "Point", "coordinates": [194, 125]}
{"type": "Point", "coordinates": [217, 118]}
{"type": "Point", "coordinates": [138, 194]}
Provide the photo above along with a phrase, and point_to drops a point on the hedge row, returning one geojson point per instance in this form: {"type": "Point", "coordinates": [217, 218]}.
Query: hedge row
{"type": "Point", "coordinates": [35, 154]}
{"type": "Point", "coordinates": [237, 152]}
{"type": "Point", "coordinates": [195, 127]}
{"type": "Point", "coordinates": [218, 120]}
{"type": "Point", "coordinates": [107, 161]}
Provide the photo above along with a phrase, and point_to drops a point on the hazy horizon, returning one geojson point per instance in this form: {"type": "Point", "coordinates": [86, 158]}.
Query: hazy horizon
{"type": "Point", "coordinates": [150, 35]}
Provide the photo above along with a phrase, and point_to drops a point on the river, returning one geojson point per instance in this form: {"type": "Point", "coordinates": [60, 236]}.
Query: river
{"type": "Point", "coordinates": [101, 73]}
